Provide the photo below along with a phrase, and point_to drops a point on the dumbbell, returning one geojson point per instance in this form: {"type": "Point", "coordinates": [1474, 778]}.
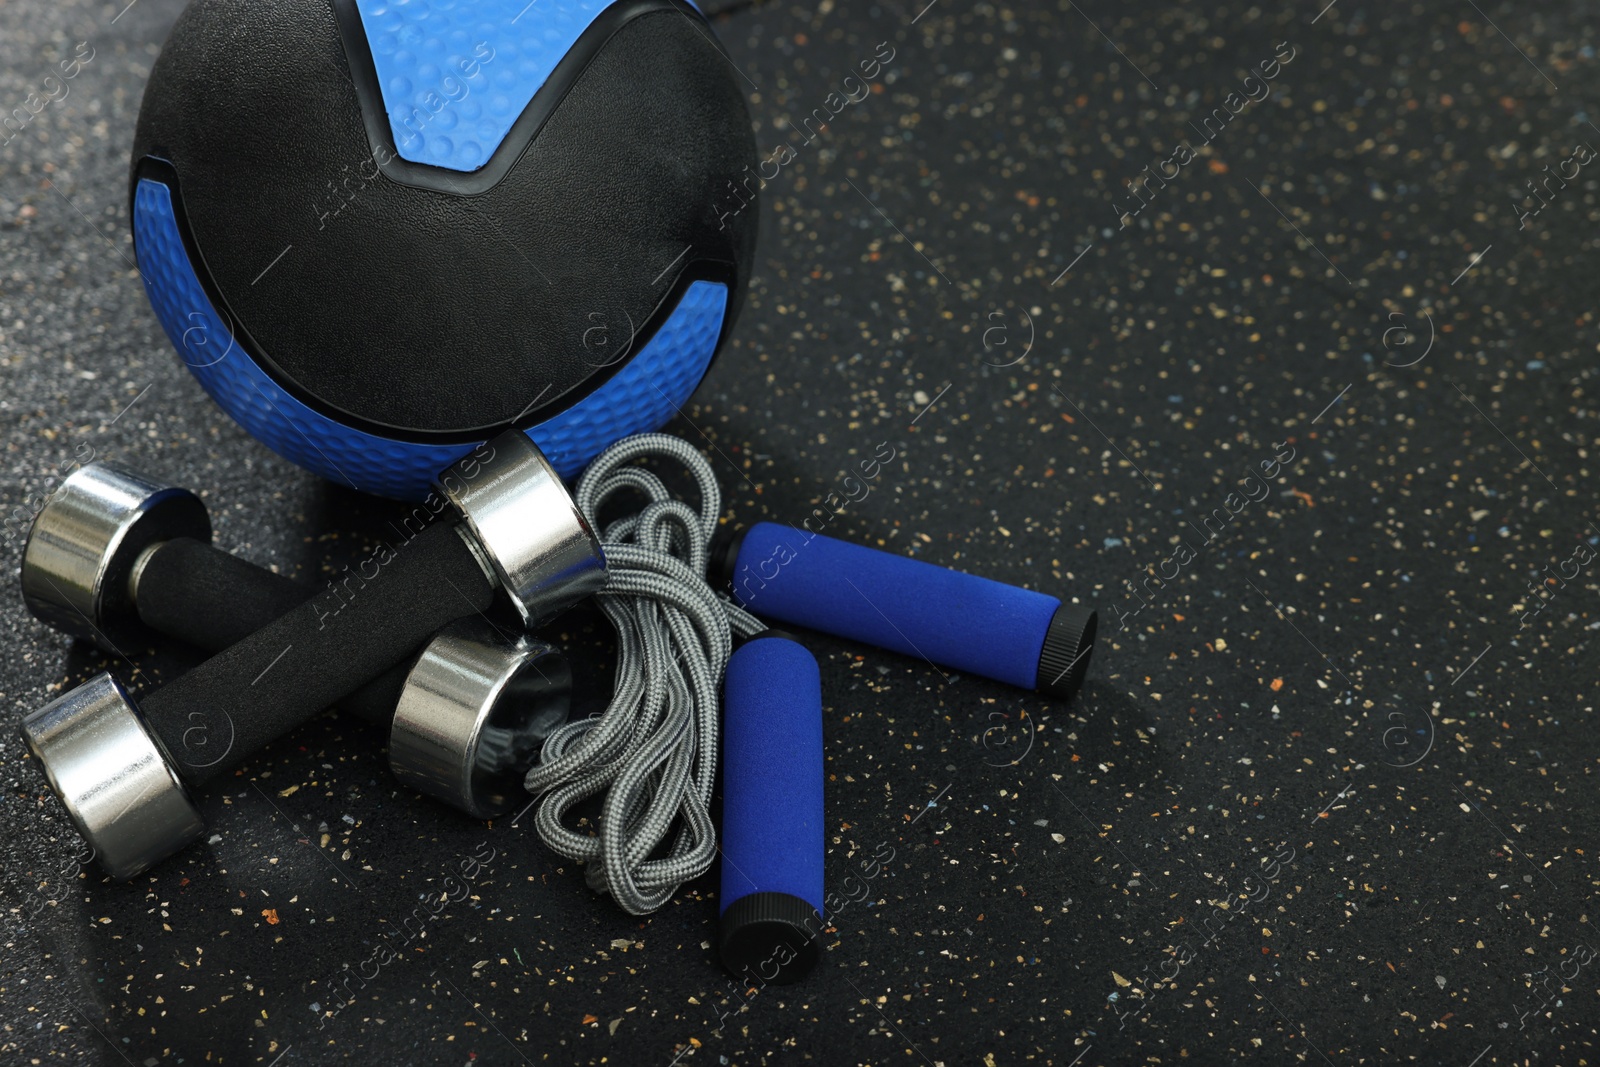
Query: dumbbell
{"type": "Point", "coordinates": [123, 769]}
{"type": "Point", "coordinates": [973, 624]}
{"type": "Point", "coordinates": [111, 551]}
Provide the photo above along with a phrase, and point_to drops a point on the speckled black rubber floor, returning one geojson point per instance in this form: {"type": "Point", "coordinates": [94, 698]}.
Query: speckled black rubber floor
{"type": "Point", "coordinates": [1329, 794]}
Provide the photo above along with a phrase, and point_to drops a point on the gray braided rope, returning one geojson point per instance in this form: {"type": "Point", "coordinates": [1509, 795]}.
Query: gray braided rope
{"type": "Point", "coordinates": [653, 751]}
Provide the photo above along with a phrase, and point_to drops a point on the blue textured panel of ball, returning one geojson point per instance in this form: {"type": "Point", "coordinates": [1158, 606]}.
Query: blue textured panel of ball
{"type": "Point", "coordinates": [641, 396]}
{"type": "Point", "coordinates": [455, 74]}
{"type": "Point", "coordinates": [943, 616]}
{"type": "Point", "coordinates": [772, 771]}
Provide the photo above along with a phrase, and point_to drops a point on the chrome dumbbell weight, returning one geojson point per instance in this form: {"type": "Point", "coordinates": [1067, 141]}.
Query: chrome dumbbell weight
{"type": "Point", "coordinates": [111, 549]}
{"type": "Point", "coordinates": [123, 769]}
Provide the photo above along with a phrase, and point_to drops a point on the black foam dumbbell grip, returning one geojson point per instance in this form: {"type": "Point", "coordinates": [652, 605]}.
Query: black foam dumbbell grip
{"type": "Point", "coordinates": [314, 654]}
{"type": "Point", "coordinates": [211, 599]}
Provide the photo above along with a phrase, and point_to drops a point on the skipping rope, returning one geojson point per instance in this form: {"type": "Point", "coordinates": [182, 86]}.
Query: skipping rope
{"type": "Point", "coordinates": [653, 750]}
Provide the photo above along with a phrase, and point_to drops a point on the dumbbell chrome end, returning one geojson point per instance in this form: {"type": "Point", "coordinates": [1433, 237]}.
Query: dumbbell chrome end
{"type": "Point", "coordinates": [113, 775]}
{"type": "Point", "coordinates": [526, 526]}
{"type": "Point", "coordinates": [85, 542]}
{"type": "Point", "coordinates": [472, 716]}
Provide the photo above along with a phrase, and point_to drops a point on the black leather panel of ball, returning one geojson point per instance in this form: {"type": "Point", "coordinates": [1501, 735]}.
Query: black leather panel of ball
{"type": "Point", "coordinates": [421, 313]}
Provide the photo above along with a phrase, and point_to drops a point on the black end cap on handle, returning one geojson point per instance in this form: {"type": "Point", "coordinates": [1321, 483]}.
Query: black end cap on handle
{"type": "Point", "coordinates": [1068, 647]}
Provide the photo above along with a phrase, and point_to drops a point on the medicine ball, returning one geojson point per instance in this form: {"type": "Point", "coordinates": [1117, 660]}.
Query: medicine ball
{"type": "Point", "coordinates": [379, 231]}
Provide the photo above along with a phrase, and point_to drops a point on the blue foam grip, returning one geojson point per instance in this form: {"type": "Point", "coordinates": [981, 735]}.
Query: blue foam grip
{"type": "Point", "coordinates": [772, 831]}
{"type": "Point", "coordinates": [641, 396]}
{"type": "Point", "coordinates": [455, 75]}
{"type": "Point", "coordinates": [957, 620]}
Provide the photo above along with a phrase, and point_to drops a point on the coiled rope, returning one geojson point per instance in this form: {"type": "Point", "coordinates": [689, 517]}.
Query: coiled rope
{"type": "Point", "coordinates": [653, 751]}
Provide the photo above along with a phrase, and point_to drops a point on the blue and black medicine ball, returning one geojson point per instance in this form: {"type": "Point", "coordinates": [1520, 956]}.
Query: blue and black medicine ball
{"type": "Point", "coordinates": [380, 232]}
